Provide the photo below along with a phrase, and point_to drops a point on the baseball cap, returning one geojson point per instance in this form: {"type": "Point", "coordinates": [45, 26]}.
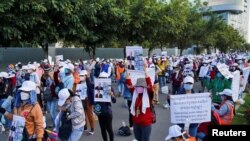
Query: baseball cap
{"type": "Point", "coordinates": [28, 86]}
{"type": "Point", "coordinates": [189, 79]}
{"type": "Point", "coordinates": [227, 92]}
{"type": "Point", "coordinates": [63, 96]}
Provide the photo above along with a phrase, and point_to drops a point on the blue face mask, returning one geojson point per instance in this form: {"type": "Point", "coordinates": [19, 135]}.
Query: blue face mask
{"type": "Point", "coordinates": [188, 87]}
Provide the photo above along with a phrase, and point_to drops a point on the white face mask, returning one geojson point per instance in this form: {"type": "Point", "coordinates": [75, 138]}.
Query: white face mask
{"type": "Point", "coordinates": [82, 78]}
{"type": "Point", "coordinates": [24, 96]}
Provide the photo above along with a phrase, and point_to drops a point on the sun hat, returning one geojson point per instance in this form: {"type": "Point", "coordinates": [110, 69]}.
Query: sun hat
{"type": "Point", "coordinates": [141, 82]}
{"type": "Point", "coordinates": [188, 79]}
{"type": "Point", "coordinates": [28, 86]}
{"type": "Point", "coordinates": [63, 96]}
{"type": "Point", "coordinates": [174, 131]}
{"type": "Point", "coordinates": [227, 92]}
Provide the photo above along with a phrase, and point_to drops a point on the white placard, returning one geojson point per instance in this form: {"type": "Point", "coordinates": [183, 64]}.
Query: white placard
{"type": "Point", "coordinates": [190, 108]}
{"type": "Point", "coordinates": [102, 89]}
{"type": "Point", "coordinates": [203, 71]}
{"type": "Point", "coordinates": [59, 57]}
{"type": "Point", "coordinates": [81, 90]}
{"type": "Point", "coordinates": [134, 75]}
{"type": "Point", "coordinates": [134, 56]}
{"type": "Point", "coordinates": [18, 123]}
{"type": "Point", "coordinates": [235, 85]}
{"type": "Point", "coordinates": [223, 68]}
{"type": "Point", "coordinates": [245, 74]}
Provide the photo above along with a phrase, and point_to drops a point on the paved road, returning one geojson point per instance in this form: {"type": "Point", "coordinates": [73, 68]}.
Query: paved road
{"type": "Point", "coordinates": [120, 112]}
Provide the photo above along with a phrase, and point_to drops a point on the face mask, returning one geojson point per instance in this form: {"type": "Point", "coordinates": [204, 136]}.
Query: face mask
{"type": "Point", "coordinates": [24, 96]}
{"type": "Point", "coordinates": [82, 78]}
{"type": "Point", "coordinates": [139, 90]}
{"type": "Point", "coordinates": [188, 87]}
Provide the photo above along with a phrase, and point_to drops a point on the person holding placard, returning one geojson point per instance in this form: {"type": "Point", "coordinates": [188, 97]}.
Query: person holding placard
{"type": "Point", "coordinates": [86, 91]}
{"type": "Point", "coordinates": [225, 113]}
{"type": "Point", "coordinates": [143, 116]}
{"type": "Point", "coordinates": [27, 106]}
{"type": "Point", "coordinates": [188, 89]}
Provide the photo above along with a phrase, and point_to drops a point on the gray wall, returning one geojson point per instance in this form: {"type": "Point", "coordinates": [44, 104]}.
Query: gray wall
{"type": "Point", "coordinates": [14, 55]}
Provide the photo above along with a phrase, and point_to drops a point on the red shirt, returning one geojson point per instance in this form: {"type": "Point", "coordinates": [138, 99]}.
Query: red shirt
{"type": "Point", "coordinates": [147, 118]}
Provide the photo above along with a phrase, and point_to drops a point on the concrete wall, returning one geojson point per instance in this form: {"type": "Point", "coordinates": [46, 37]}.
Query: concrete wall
{"type": "Point", "coordinates": [14, 55]}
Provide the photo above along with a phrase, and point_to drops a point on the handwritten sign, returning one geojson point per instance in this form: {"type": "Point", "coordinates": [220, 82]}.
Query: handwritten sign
{"type": "Point", "coordinates": [236, 85]}
{"type": "Point", "coordinates": [223, 68]}
{"type": "Point", "coordinates": [102, 89]}
{"type": "Point", "coordinates": [18, 124]}
{"type": "Point", "coordinates": [134, 75]}
{"type": "Point", "coordinates": [190, 108]}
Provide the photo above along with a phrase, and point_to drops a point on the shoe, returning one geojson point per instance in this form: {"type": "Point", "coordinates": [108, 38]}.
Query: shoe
{"type": "Point", "coordinates": [166, 106]}
{"type": "Point", "coordinates": [91, 132]}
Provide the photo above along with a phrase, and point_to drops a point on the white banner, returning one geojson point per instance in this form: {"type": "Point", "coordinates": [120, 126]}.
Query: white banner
{"type": "Point", "coordinates": [102, 89]}
{"type": "Point", "coordinates": [245, 74]}
{"type": "Point", "coordinates": [190, 108]}
{"type": "Point", "coordinates": [134, 56]}
{"type": "Point", "coordinates": [235, 85]}
{"type": "Point", "coordinates": [18, 123]}
{"type": "Point", "coordinates": [135, 74]}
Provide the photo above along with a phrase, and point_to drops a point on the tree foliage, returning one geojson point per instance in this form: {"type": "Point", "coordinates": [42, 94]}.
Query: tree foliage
{"type": "Point", "coordinates": [114, 23]}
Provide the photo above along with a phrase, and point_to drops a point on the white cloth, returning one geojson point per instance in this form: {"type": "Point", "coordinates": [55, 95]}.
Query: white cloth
{"type": "Point", "coordinates": [203, 71]}
{"type": "Point", "coordinates": [145, 101]}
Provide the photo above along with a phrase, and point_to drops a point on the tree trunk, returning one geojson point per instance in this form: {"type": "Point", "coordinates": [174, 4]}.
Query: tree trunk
{"type": "Point", "coordinates": [45, 48]}
{"type": "Point", "coordinates": [149, 51]}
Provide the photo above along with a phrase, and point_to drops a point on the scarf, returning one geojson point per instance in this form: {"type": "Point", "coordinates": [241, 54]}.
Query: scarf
{"type": "Point", "coordinates": [145, 102]}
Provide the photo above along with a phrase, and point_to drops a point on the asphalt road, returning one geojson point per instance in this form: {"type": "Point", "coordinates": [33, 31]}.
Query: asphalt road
{"type": "Point", "coordinates": [120, 113]}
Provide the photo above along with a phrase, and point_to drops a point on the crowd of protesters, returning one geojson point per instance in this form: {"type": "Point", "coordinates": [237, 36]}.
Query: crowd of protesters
{"type": "Point", "coordinates": [34, 90]}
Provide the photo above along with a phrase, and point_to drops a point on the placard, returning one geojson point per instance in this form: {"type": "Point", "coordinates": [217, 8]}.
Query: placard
{"type": "Point", "coordinates": [102, 89]}
{"type": "Point", "coordinates": [235, 85]}
{"type": "Point", "coordinates": [135, 74]}
{"type": "Point", "coordinates": [190, 108]}
{"type": "Point", "coordinates": [16, 132]}
{"type": "Point", "coordinates": [81, 90]}
{"type": "Point", "coordinates": [134, 56]}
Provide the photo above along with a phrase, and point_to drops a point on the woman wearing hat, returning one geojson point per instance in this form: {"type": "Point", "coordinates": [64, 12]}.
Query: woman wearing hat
{"type": "Point", "coordinates": [226, 108]}
{"type": "Point", "coordinates": [188, 89]}
{"type": "Point", "coordinates": [68, 101]}
{"type": "Point", "coordinates": [27, 107]}
{"type": "Point", "coordinates": [140, 108]}
{"type": "Point", "coordinates": [85, 89]}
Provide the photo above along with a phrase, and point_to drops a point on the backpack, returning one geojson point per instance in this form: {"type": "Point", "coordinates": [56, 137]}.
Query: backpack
{"type": "Point", "coordinates": [66, 127]}
{"type": "Point", "coordinates": [47, 94]}
{"type": "Point", "coordinates": [124, 131]}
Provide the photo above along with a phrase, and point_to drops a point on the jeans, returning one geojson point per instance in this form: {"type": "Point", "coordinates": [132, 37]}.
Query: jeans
{"type": "Point", "coordinates": [105, 122]}
{"type": "Point", "coordinates": [6, 104]}
{"type": "Point", "coordinates": [162, 81]}
{"type": "Point", "coordinates": [52, 107]}
{"type": "Point", "coordinates": [142, 133]}
{"type": "Point", "coordinates": [76, 134]}
{"type": "Point", "coordinates": [192, 128]}
{"type": "Point", "coordinates": [120, 87]}
{"type": "Point", "coordinates": [129, 102]}
{"type": "Point", "coordinates": [201, 135]}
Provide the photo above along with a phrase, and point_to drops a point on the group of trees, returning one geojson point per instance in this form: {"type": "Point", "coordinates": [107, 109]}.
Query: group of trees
{"type": "Point", "coordinates": [114, 23]}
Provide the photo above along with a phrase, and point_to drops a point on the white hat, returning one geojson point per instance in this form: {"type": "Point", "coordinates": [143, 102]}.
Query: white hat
{"type": "Point", "coordinates": [97, 59]}
{"type": "Point", "coordinates": [188, 79]}
{"type": "Point", "coordinates": [28, 86]}
{"type": "Point", "coordinates": [63, 96]}
{"type": "Point", "coordinates": [25, 68]}
{"type": "Point", "coordinates": [227, 92]}
{"type": "Point", "coordinates": [174, 131]}
{"type": "Point", "coordinates": [68, 61]}
{"type": "Point", "coordinates": [4, 74]}
{"type": "Point", "coordinates": [31, 67]}
{"type": "Point", "coordinates": [70, 67]}
{"type": "Point", "coordinates": [104, 75]}
{"type": "Point", "coordinates": [45, 60]}
{"type": "Point", "coordinates": [83, 72]}
{"type": "Point", "coordinates": [85, 62]}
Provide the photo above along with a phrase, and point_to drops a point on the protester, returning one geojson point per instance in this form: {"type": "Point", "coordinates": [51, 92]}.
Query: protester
{"type": "Point", "coordinates": [141, 105]}
{"type": "Point", "coordinates": [27, 107]}
{"type": "Point", "coordinates": [226, 108]}
{"type": "Point", "coordinates": [68, 101]}
{"type": "Point", "coordinates": [68, 80]}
